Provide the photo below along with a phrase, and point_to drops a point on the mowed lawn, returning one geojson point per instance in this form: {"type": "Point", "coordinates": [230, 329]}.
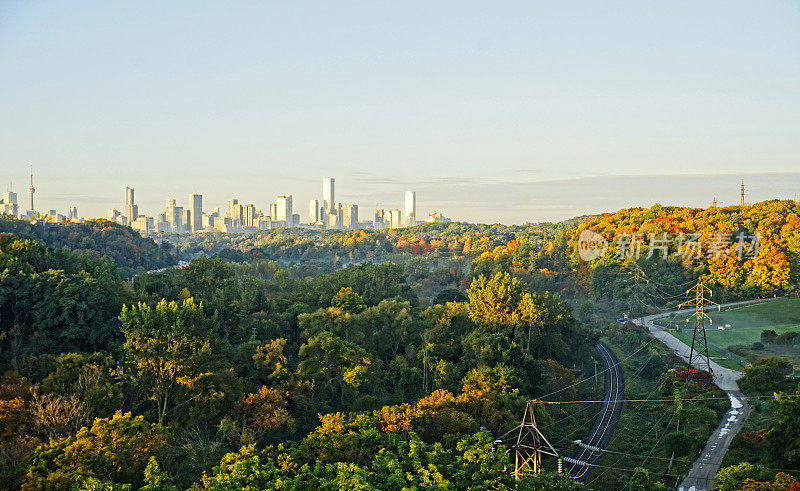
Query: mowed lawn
{"type": "Point", "coordinates": [747, 322]}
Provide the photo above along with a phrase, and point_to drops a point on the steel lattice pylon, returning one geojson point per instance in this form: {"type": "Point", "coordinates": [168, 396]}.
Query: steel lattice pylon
{"type": "Point", "coordinates": [530, 446]}
{"type": "Point", "coordinates": [699, 292]}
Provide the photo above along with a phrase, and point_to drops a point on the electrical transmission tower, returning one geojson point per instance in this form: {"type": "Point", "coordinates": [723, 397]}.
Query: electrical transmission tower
{"type": "Point", "coordinates": [700, 301]}
{"type": "Point", "coordinates": [637, 290]}
{"type": "Point", "coordinates": [531, 445]}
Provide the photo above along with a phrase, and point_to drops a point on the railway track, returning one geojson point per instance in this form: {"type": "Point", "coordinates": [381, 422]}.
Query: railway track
{"type": "Point", "coordinates": [607, 417]}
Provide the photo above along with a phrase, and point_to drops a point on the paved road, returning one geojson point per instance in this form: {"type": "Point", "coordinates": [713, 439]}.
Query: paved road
{"type": "Point", "coordinates": [705, 468]}
{"type": "Point", "coordinates": [607, 418]}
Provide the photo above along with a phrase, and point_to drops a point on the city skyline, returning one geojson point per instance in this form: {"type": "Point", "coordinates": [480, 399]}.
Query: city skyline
{"type": "Point", "coordinates": [238, 217]}
{"type": "Point", "coordinates": [553, 200]}
{"type": "Point", "coordinates": [482, 101]}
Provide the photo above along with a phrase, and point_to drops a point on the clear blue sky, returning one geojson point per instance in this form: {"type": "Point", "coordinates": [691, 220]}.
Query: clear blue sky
{"type": "Point", "coordinates": [474, 104]}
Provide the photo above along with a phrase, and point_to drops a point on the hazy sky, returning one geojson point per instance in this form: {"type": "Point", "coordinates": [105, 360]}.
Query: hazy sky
{"type": "Point", "coordinates": [493, 111]}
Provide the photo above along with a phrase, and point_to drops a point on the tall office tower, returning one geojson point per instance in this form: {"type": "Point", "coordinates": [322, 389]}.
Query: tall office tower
{"type": "Point", "coordinates": [313, 211]}
{"type": "Point", "coordinates": [196, 205]}
{"type": "Point", "coordinates": [187, 220]}
{"type": "Point", "coordinates": [208, 221]}
{"type": "Point", "coordinates": [331, 220]}
{"type": "Point", "coordinates": [31, 189]}
{"type": "Point", "coordinates": [10, 203]}
{"type": "Point", "coordinates": [284, 209]}
{"type": "Point", "coordinates": [10, 198]}
{"type": "Point", "coordinates": [179, 223]}
{"type": "Point", "coordinates": [171, 214]}
{"type": "Point", "coordinates": [411, 208]}
{"type": "Point", "coordinates": [131, 210]}
{"type": "Point", "coordinates": [73, 213]}
{"type": "Point", "coordinates": [233, 208]}
{"type": "Point", "coordinates": [273, 212]}
{"type": "Point", "coordinates": [379, 221]}
{"type": "Point", "coordinates": [328, 196]}
{"type": "Point", "coordinates": [249, 215]}
{"type": "Point", "coordinates": [350, 216]}
{"type": "Point", "coordinates": [395, 220]}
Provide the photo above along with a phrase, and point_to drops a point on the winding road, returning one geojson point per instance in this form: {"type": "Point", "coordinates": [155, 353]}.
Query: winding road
{"type": "Point", "coordinates": [705, 468]}
{"type": "Point", "coordinates": [607, 417]}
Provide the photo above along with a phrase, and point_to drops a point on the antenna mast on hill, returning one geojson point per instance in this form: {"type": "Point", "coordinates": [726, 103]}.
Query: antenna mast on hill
{"type": "Point", "coordinates": [699, 302]}
{"type": "Point", "coordinates": [742, 192]}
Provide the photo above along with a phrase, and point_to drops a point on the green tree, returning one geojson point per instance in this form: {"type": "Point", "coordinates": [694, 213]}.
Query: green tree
{"type": "Point", "coordinates": [783, 436]}
{"type": "Point", "coordinates": [272, 358]}
{"type": "Point", "coordinates": [155, 479]}
{"type": "Point", "coordinates": [641, 481]}
{"type": "Point", "coordinates": [334, 364]}
{"type": "Point", "coordinates": [767, 375]}
{"type": "Point", "coordinates": [170, 346]}
{"type": "Point", "coordinates": [348, 300]}
{"type": "Point", "coordinates": [731, 478]}
{"type": "Point", "coordinates": [114, 449]}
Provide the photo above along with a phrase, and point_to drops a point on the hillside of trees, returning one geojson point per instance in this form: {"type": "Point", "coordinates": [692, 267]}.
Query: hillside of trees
{"type": "Point", "coordinates": [223, 373]}
{"type": "Point", "coordinates": [131, 252]}
{"type": "Point", "coordinates": [308, 359]}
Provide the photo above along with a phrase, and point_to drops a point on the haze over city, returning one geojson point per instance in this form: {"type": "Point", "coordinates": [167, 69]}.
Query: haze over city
{"type": "Point", "coordinates": [511, 113]}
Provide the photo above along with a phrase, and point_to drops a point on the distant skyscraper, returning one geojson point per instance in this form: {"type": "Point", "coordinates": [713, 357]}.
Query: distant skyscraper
{"type": "Point", "coordinates": [249, 215]}
{"type": "Point", "coordinates": [350, 216]}
{"type": "Point", "coordinates": [379, 221]}
{"type": "Point", "coordinates": [10, 206]}
{"type": "Point", "coordinates": [196, 206]}
{"type": "Point", "coordinates": [131, 210]}
{"type": "Point", "coordinates": [411, 208]}
{"type": "Point", "coordinates": [331, 220]}
{"type": "Point", "coordinates": [10, 198]}
{"type": "Point", "coordinates": [313, 211]}
{"type": "Point", "coordinates": [186, 216]}
{"type": "Point", "coordinates": [171, 214]}
{"type": "Point", "coordinates": [284, 209]}
{"type": "Point", "coordinates": [233, 208]}
{"type": "Point", "coordinates": [395, 220]}
{"type": "Point", "coordinates": [73, 213]}
{"type": "Point", "coordinates": [328, 196]}
{"type": "Point", "coordinates": [31, 189]}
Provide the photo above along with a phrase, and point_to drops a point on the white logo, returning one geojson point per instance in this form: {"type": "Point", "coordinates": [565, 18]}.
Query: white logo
{"type": "Point", "coordinates": [591, 245]}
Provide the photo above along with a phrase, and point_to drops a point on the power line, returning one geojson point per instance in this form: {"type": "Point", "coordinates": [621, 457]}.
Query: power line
{"type": "Point", "coordinates": [539, 399]}
{"type": "Point", "coordinates": [690, 399]}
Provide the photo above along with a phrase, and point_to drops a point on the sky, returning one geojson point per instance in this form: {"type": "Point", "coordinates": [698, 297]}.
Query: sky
{"type": "Point", "coordinates": [505, 112]}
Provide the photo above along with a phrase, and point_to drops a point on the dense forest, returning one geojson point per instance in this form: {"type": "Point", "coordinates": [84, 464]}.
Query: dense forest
{"type": "Point", "coordinates": [131, 252]}
{"type": "Point", "coordinates": [331, 359]}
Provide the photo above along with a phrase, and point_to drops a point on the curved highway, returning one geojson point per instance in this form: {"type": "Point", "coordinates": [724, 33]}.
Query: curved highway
{"type": "Point", "coordinates": [607, 417]}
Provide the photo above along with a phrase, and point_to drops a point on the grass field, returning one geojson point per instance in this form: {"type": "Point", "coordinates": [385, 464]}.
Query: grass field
{"type": "Point", "coordinates": [719, 358]}
{"type": "Point", "coordinates": [747, 322]}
